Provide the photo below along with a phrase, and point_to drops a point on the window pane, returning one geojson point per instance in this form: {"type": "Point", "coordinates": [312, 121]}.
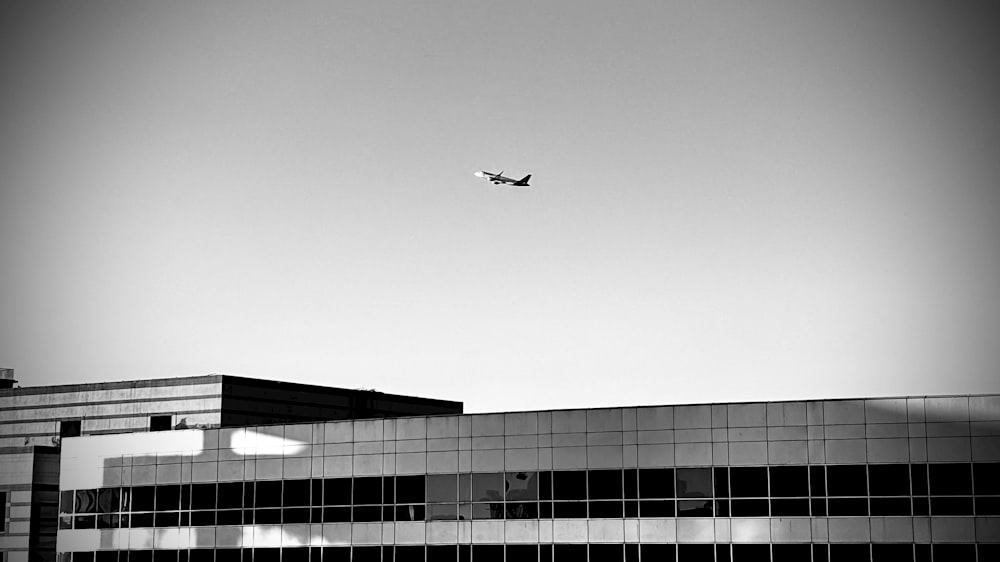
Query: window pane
{"type": "Point", "coordinates": [986, 479]}
{"type": "Point", "coordinates": [296, 493]}
{"type": "Point", "coordinates": [918, 479]}
{"type": "Point", "coordinates": [442, 512]}
{"type": "Point", "coordinates": [847, 506]}
{"type": "Point", "coordinates": [847, 480]}
{"type": "Point", "coordinates": [790, 507]}
{"type": "Point", "coordinates": [442, 488]}
{"type": "Point", "coordinates": [604, 484]}
{"type": "Point", "coordinates": [748, 482]}
{"type": "Point", "coordinates": [694, 508]}
{"type": "Point", "coordinates": [487, 486]}
{"type": "Point", "coordinates": [889, 479]}
{"type": "Point", "coordinates": [606, 509]}
{"type": "Point", "coordinates": [721, 482]}
{"type": "Point", "coordinates": [695, 482]}
{"type": "Point", "coordinates": [230, 495]}
{"type": "Point", "coordinates": [951, 506]}
{"type": "Point", "coordinates": [268, 494]}
{"type": "Point", "coordinates": [950, 479]}
{"type": "Point", "coordinates": [656, 483]}
{"type": "Point", "coordinates": [749, 508]}
{"type": "Point", "coordinates": [522, 486]}
{"type": "Point", "coordinates": [569, 510]}
{"type": "Point", "coordinates": [108, 500]}
{"type": "Point", "coordinates": [607, 552]}
{"type": "Point", "coordinates": [368, 490]}
{"type": "Point", "coordinates": [522, 510]}
{"type": "Point", "coordinates": [656, 508]}
{"type": "Point", "coordinates": [85, 501]}
{"type": "Point", "coordinates": [890, 506]}
{"type": "Point", "coordinates": [410, 489]}
{"type": "Point", "coordinates": [336, 491]}
{"type": "Point", "coordinates": [569, 485]}
{"type": "Point", "coordinates": [789, 481]}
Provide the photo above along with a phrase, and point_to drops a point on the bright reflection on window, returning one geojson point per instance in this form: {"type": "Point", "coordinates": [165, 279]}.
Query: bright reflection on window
{"type": "Point", "coordinates": [250, 442]}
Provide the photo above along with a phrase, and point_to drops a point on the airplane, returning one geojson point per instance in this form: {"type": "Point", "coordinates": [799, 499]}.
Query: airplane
{"type": "Point", "coordinates": [499, 178]}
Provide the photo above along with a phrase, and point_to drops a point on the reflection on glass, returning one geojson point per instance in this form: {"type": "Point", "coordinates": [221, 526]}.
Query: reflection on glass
{"type": "Point", "coordinates": [694, 482]}
{"type": "Point", "coordinates": [521, 486]}
{"type": "Point", "coordinates": [442, 488]}
{"type": "Point", "coordinates": [487, 487]}
{"type": "Point", "coordinates": [694, 508]}
{"type": "Point", "coordinates": [527, 510]}
{"type": "Point", "coordinates": [464, 487]}
{"type": "Point", "coordinates": [442, 512]}
{"type": "Point", "coordinates": [487, 510]}
{"type": "Point", "coordinates": [86, 501]}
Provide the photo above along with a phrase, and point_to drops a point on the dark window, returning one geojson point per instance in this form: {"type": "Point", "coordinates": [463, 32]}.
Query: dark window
{"type": "Point", "coordinates": [3, 508]}
{"type": "Point", "coordinates": [790, 507]}
{"type": "Point", "coordinates": [141, 520]}
{"type": "Point", "coordinates": [569, 485]}
{"type": "Point", "coordinates": [368, 513]}
{"type": "Point", "coordinates": [268, 494]}
{"type": "Point", "coordinates": [608, 509]}
{"type": "Point", "coordinates": [229, 517]}
{"type": "Point", "coordinates": [988, 506]}
{"type": "Point", "coordinates": [489, 552]}
{"type": "Point", "coordinates": [849, 553]}
{"type": "Point", "coordinates": [789, 481]}
{"type": "Point", "coordinates": [295, 515]}
{"type": "Point", "coordinates": [85, 522]}
{"type": "Point", "coordinates": [168, 497]}
{"type": "Point", "coordinates": [754, 552]}
{"type": "Point", "coordinates": [409, 513]}
{"type": "Point", "coordinates": [564, 553]}
{"type": "Point", "coordinates": [367, 554]}
{"type": "Point", "coordinates": [519, 553]}
{"type": "Point", "coordinates": [337, 491]}
{"type": "Point", "coordinates": [748, 482]}
{"type": "Point", "coordinates": [203, 518]}
{"type": "Point", "coordinates": [950, 479]}
{"type": "Point", "coordinates": [107, 521]}
{"type": "Point", "coordinates": [604, 484]}
{"type": "Point", "coordinates": [696, 552]}
{"type": "Point", "coordinates": [341, 514]}
{"type": "Point", "coordinates": [954, 551]}
{"type": "Point", "coordinates": [921, 505]}
{"type": "Point", "coordinates": [882, 552]}
{"type": "Point", "coordinates": [368, 490]}
{"type": "Point", "coordinates": [951, 506]}
{"type": "Point", "coordinates": [160, 423]}
{"type": "Point", "coordinates": [790, 552]}
{"type": "Point", "coordinates": [569, 510]}
{"type": "Point", "coordinates": [230, 495]}
{"type": "Point", "coordinates": [65, 501]}
{"type": "Point", "coordinates": [695, 482]}
{"type": "Point", "coordinates": [656, 483]}
{"type": "Point", "coordinates": [817, 481]}
{"type": "Point", "coordinates": [821, 552]}
{"type": "Point", "coordinates": [721, 482]}
{"type": "Point", "coordinates": [166, 519]}
{"type": "Point", "coordinates": [723, 554]}
{"type": "Point", "coordinates": [409, 489]}
{"type": "Point", "coordinates": [412, 553]}
{"type": "Point", "coordinates": [749, 508]}
{"type": "Point", "coordinates": [658, 552]}
{"type": "Point", "coordinates": [544, 485]}
{"type": "Point", "coordinates": [606, 552]}
{"type": "Point", "coordinates": [631, 552]}
{"type": "Point", "coordinates": [521, 486]}
{"type": "Point", "coordinates": [656, 508]}
{"type": "Point", "coordinates": [69, 428]}
{"type": "Point", "coordinates": [295, 555]}
{"type": "Point", "coordinates": [847, 506]}
{"type": "Point", "coordinates": [632, 508]}
{"type": "Point", "coordinates": [890, 506]}
{"type": "Point", "coordinates": [986, 479]}
{"type": "Point", "coordinates": [337, 554]}
{"type": "Point", "coordinates": [918, 477]}
{"type": "Point", "coordinates": [631, 485]}
{"type": "Point", "coordinates": [847, 480]}
{"type": "Point", "coordinates": [296, 493]}
{"type": "Point", "coordinates": [444, 553]}
{"type": "Point", "coordinates": [889, 479]}
{"type": "Point", "coordinates": [225, 555]}
{"type": "Point", "coordinates": [203, 496]}
{"type": "Point", "coordinates": [818, 507]}
{"type": "Point", "coordinates": [270, 516]}
{"type": "Point", "coordinates": [164, 556]}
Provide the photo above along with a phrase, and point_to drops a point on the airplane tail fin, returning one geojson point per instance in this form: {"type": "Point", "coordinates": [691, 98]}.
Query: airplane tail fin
{"type": "Point", "coordinates": [524, 180]}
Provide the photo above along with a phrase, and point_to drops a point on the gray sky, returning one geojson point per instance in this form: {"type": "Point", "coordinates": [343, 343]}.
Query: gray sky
{"type": "Point", "coordinates": [732, 200]}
